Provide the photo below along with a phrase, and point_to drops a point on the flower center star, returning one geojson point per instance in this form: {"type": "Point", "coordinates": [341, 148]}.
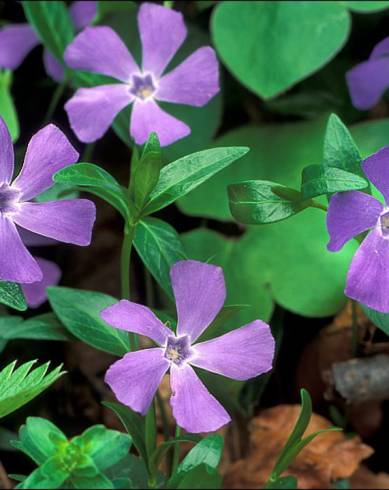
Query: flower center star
{"type": "Point", "coordinates": [384, 222]}
{"type": "Point", "coordinates": [9, 199]}
{"type": "Point", "coordinates": [178, 350]}
{"type": "Point", "coordinates": [142, 86]}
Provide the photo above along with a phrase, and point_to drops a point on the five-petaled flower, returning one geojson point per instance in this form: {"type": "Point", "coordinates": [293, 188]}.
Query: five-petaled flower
{"type": "Point", "coordinates": [369, 80]}
{"type": "Point", "coordinates": [241, 354]}
{"type": "Point", "coordinates": [69, 221]}
{"type": "Point", "coordinates": [100, 50]}
{"type": "Point", "coordinates": [17, 40]}
{"type": "Point", "coordinates": [354, 212]}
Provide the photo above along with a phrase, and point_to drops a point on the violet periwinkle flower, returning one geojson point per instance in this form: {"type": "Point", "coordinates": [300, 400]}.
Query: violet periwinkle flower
{"type": "Point", "coordinates": [244, 353]}
{"type": "Point", "coordinates": [17, 40]}
{"type": "Point", "coordinates": [369, 80]}
{"type": "Point", "coordinates": [194, 82]}
{"type": "Point", "coordinates": [354, 212]}
{"type": "Point", "coordinates": [69, 221]}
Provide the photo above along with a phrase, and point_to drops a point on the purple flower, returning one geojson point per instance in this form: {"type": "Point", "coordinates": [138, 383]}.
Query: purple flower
{"type": "Point", "coordinates": [69, 221]}
{"type": "Point", "coordinates": [17, 40]}
{"type": "Point", "coordinates": [369, 80]}
{"type": "Point", "coordinates": [354, 212]}
{"type": "Point", "coordinates": [100, 50]}
{"type": "Point", "coordinates": [244, 353]}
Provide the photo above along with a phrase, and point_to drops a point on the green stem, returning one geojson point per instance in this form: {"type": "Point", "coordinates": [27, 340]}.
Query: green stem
{"type": "Point", "coordinates": [55, 100]}
{"type": "Point", "coordinates": [165, 422]}
{"type": "Point", "coordinates": [318, 205]}
{"type": "Point", "coordinates": [176, 453]}
{"type": "Point", "coordinates": [88, 153]}
{"type": "Point", "coordinates": [151, 442]}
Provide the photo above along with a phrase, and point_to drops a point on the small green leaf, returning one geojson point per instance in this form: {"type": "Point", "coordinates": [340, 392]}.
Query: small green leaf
{"type": "Point", "coordinates": [52, 24]}
{"type": "Point", "coordinates": [159, 246]}
{"type": "Point", "coordinates": [80, 312]}
{"type": "Point", "coordinates": [365, 6]}
{"type": "Point", "coordinates": [96, 181]}
{"type": "Point", "coordinates": [7, 106]}
{"type": "Point", "coordinates": [202, 476]}
{"type": "Point", "coordinates": [49, 475]}
{"type": "Point", "coordinates": [19, 386]}
{"type": "Point", "coordinates": [380, 320]}
{"type": "Point", "coordinates": [318, 180]}
{"type": "Point", "coordinates": [187, 173]}
{"type": "Point", "coordinates": [261, 201]}
{"type": "Point", "coordinates": [11, 294]}
{"type": "Point", "coordinates": [106, 7]}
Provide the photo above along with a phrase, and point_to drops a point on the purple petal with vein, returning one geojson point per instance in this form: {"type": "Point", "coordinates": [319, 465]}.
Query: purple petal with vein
{"type": "Point", "coordinates": [6, 154]}
{"type": "Point", "coordinates": [69, 221]}
{"type": "Point", "coordinates": [136, 318]}
{"type": "Point", "coordinates": [368, 276]}
{"type": "Point", "coordinates": [368, 81]}
{"type": "Point", "coordinates": [241, 354]}
{"type": "Point", "coordinates": [100, 50]}
{"type": "Point", "coordinates": [135, 378]}
{"type": "Point", "coordinates": [16, 262]}
{"type": "Point", "coordinates": [83, 13]}
{"type": "Point", "coordinates": [52, 66]}
{"type": "Point", "coordinates": [349, 214]}
{"type": "Point", "coordinates": [162, 31]}
{"type": "Point", "coordinates": [16, 41]}
{"type": "Point", "coordinates": [35, 293]}
{"type": "Point", "coordinates": [194, 82]}
{"type": "Point", "coordinates": [200, 292]}
{"type": "Point", "coordinates": [376, 168]}
{"type": "Point", "coordinates": [91, 111]}
{"type": "Point", "coordinates": [194, 408]}
{"type": "Point", "coordinates": [48, 151]}
{"type": "Point", "coordinates": [148, 117]}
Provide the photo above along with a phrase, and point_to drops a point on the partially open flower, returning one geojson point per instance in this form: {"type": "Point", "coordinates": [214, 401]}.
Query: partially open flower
{"type": "Point", "coordinates": [244, 353]}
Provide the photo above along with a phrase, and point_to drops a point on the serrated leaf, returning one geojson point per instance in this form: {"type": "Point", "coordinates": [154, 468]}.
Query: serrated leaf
{"type": "Point", "coordinates": [11, 294]}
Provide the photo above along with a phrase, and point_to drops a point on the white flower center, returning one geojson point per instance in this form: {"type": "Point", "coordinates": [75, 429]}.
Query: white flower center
{"type": "Point", "coordinates": [142, 86]}
{"type": "Point", "coordinates": [178, 350]}
{"type": "Point", "coordinates": [9, 199]}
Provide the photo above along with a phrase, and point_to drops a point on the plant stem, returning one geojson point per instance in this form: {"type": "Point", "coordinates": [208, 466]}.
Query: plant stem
{"type": "Point", "coordinates": [55, 100]}
{"type": "Point", "coordinates": [88, 152]}
{"type": "Point", "coordinates": [355, 328]}
{"type": "Point", "coordinates": [176, 453]}
{"type": "Point", "coordinates": [165, 422]}
{"type": "Point", "coordinates": [318, 205]}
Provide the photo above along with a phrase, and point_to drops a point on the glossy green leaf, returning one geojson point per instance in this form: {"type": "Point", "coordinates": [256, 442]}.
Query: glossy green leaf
{"type": "Point", "coordinates": [7, 106]}
{"type": "Point", "coordinates": [159, 246]}
{"type": "Point", "coordinates": [260, 201]}
{"type": "Point", "coordinates": [184, 175]}
{"type": "Point", "coordinates": [318, 180]}
{"type": "Point", "coordinates": [365, 6]}
{"type": "Point", "coordinates": [20, 385]}
{"type": "Point", "coordinates": [202, 476]}
{"type": "Point", "coordinates": [257, 40]}
{"type": "Point", "coordinates": [97, 181]}
{"type": "Point", "coordinates": [11, 294]}
{"type": "Point", "coordinates": [284, 483]}
{"type": "Point", "coordinates": [52, 24]}
{"type": "Point", "coordinates": [50, 475]}
{"type": "Point", "coordinates": [380, 320]}
{"type": "Point", "coordinates": [40, 327]}
{"type": "Point", "coordinates": [79, 311]}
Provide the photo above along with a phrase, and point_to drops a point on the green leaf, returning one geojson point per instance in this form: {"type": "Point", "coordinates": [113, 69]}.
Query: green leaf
{"type": "Point", "coordinates": [187, 173]}
{"type": "Point", "coordinates": [7, 106]}
{"type": "Point", "coordinates": [80, 312]}
{"type": "Point", "coordinates": [202, 476]}
{"type": "Point", "coordinates": [261, 201]}
{"type": "Point", "coordinates": [365, 6]}
{"type": "Point", "coordinates": [283, 483]}
{"type": "Point", "coordinates": [106, 7]}
{"type": "Point", "coordinates": [11, 294]}
{"type": "Point", "coordinates": [257, 40]}
{"type": "Point", "coordinates": [96, 181]}
{"type": "Point", "coordinates": [19, 386]}
{"type": "Point", "coordinates": [318, 180]}
{"type": "Point", "coordinates": [159, 246]}
{"type": "Point", "coordinates": [52, 24]}
{"type": "Point", "coordinates": [380, 320]}
{"type": "Point", "coordinates": [130, 472]}
{"type": "Point", "coordinates": [134, 425]}
{"type": "Point", "coordinates": [49, 475]}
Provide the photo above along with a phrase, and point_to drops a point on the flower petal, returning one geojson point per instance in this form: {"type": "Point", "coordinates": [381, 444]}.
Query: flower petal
{"type": "Point", "coordinates": [200, 292]}
{"type": "Point", "coordinates": [241, 354]}
{"type": "Point", "coordinates": [48, 151]}
{"type": "Point", "coordinates": [194, 408]}
{"type": "Point", "coordinates": [69, 221]}
{"type": "Point", "coordinates": [31, 239]}
{"type": "Point", "coordinates": [162, 31]}
{"type": "Point", "coordinates": [368, 81]}
{"type": "Point", "coordinates": [349, 214]}
{"type": "Point", "coordinates": [52, 66]}
{"type": "Point", "coordinates": [6, 154]}
{"type": "Point", "coordinates": [194, 82]}
{"type": "Point", "coordinates": [368, 277]}
{"type": "Point", "coordinates": [148, 117]}
{"type": "Point", "coordinates": [91, 111]}
{"type": "Point", "coordinates": [16, 262]}
{"type": "Point", "coordinates": [376, 168]}
{"type": "Point", "coordinates": [82, 13]}
{"type": "Point", "coordinates": [380, 49]}
{"type": "Point", "coordinates": [35, 293]}
{"type": "Point", "coordinates": [16, 41]}
{"type": "Point", "coordinates": [132, 317]}
{"type": "Point", "coordinates": [100, 50]}
{"type": "Point", "coordinates": [135, 378]}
